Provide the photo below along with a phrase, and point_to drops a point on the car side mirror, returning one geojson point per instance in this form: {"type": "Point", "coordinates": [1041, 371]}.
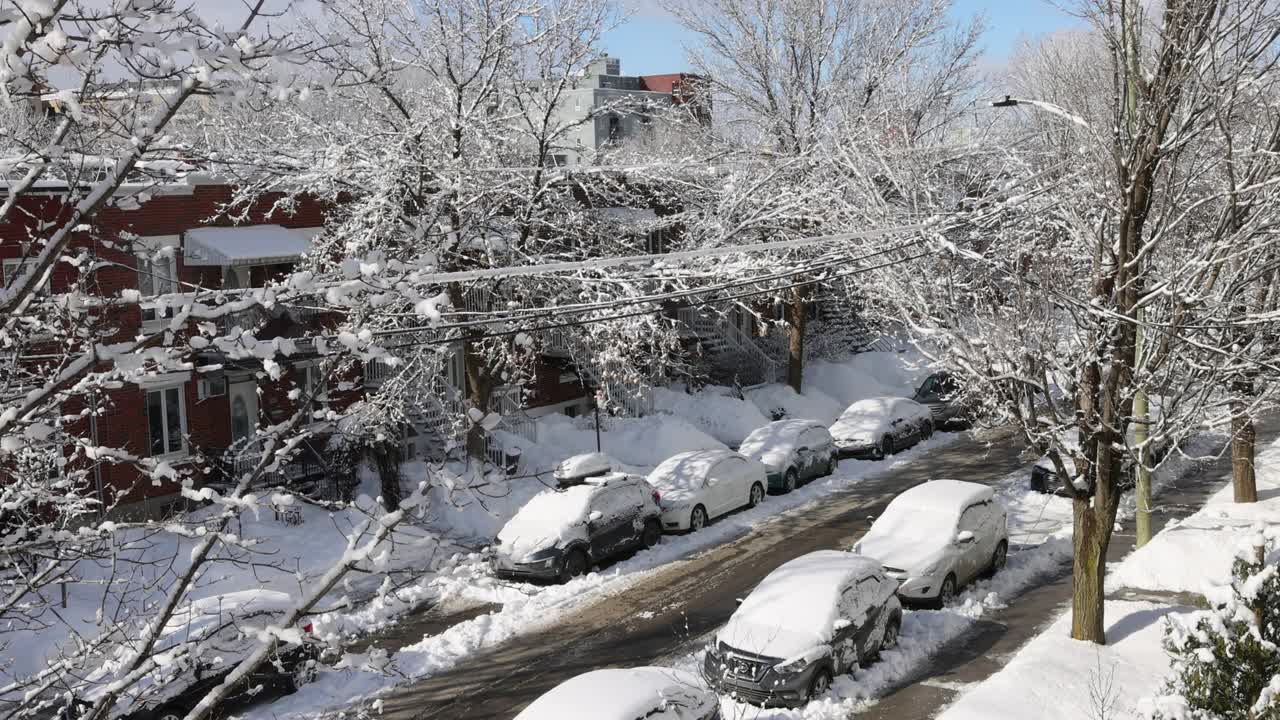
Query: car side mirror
{"type": "Point", "coordinates": [595, 516]}
{"type": "Point", "coordinates": [737, 601]}
{"type": "Point", "coordinates": [964, 536]}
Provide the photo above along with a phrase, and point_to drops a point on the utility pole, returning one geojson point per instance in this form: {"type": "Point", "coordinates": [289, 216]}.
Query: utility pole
{"type": "Point", "coordinates": [1141, 404]}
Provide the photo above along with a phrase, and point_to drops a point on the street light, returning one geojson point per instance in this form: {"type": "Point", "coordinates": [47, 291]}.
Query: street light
{"type": "Point", "coordinates": [1141, 404]}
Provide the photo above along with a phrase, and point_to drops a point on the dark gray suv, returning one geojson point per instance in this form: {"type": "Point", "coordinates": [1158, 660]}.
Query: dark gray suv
{"type": "Point", "coordinates": [562, 532]}
{"type": "Point", "coordinates": [813, 618]}
{"type": "Point", "coordinates": [947, 401]}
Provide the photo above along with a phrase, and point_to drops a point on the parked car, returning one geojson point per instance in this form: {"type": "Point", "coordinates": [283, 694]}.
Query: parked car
{"type": "Point", "coordinates": [695, 486]}
{"type": "Point", "coordinates": [218, 632]}
{"type": "Point", "coordinates": [792, 452]}
{"type": "Point", "coordinates": [811, 619]}
{"type": "Point", "coordinates": [1044, 478]}
{"type": "Point", "coordinates": [593, 514]}
{"type": "Point", "coordinates": [649, 693]}
{"type": "Point", "coordinates": [879, 427]}
{"type": "Point", "coordinates": [938, 536]}
{"type": "Point", "coordinates": [948, 404]}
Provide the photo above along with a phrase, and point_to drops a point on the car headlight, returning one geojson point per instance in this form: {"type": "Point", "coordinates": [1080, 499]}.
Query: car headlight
{"type": "Point", "coordinates": [792, 667]}
{"type": "Point", "coordinates": [548, 553]}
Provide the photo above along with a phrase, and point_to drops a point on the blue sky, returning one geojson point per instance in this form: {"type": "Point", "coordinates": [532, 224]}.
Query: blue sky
{"type": "Point", "coordinates": [651, 42]}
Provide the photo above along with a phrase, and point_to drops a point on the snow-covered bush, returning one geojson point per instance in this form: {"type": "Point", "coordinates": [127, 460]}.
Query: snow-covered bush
{"type": "Point", "coordinates": [1226, 660]}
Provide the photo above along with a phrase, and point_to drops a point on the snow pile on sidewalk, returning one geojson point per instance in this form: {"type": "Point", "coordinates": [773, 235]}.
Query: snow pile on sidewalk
{"type": "Point", "coordinates": [1053, 676]}
{"type": "Point", "coordinates": [714, 410]}
{"type": "Point", "coordinates": [1056, 678]}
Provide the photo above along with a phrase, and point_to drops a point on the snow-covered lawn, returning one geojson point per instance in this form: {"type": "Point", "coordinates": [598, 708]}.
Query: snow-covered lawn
{"type": "Point", "coordinates": [1051, 676]}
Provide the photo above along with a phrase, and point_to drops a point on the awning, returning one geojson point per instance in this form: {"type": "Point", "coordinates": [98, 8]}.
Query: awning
{"type": "Point", "coordinates": [246, 245]}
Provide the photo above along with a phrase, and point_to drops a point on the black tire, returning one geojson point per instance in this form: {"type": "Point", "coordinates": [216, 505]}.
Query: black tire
{"type": "Point", "coordinates": [820, 683]}
{"type": "Point", "coordinates": [756, 496]}
{"type": "Point", "coordinates": [573, 565]}
{"type": "Point", "coordinates": [303, 673]}
{"type": "Point", "coordinates": [833, 463]}
{"type": "Point", "coordinates": [652, 534]}
{"type": "Point", "coordinates": [790, 480]}
{"type": "Point", "coordinates": [998, 558]}
{"type": "Point", "coordinates": [946, 593]}
{"type": "Point", "coordinates": [697, 518]}
{"type": "Point", "coordinates": [886, 447]}
{"type": "Point", "coordinates": [890, 638]}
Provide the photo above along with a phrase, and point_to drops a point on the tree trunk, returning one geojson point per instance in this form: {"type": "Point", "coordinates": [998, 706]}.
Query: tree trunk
{"type": "Point", "coordinates": [1243, 443]}
{"type": "Point", "coordinates": [387, 458]}
{"type": "Point", "coordinates": [480, 383]}
{"type": "Point", "coordinates": [799, 318]}
{"type": "Point", "coordinates": [1087, 573]}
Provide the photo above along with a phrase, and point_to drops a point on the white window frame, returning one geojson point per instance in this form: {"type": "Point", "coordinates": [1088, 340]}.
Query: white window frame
{"type": "Point", "coordinates": [13, 267]}
{"type": "Point", "coordinates": [184, 450]}
{"type": "Point", "coordinates": [146, 248]}
{"type": "Point", "coordinates": [312, 375]}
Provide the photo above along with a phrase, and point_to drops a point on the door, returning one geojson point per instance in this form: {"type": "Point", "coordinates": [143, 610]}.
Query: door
{"type": "Point", "coordinates": [612, 529]}
{"type": "Point", "coordinates": [855, 622]}
{"type": "Point", "coordinates": [815, 454]}
{"type": "Point", "coordinates": [243, 397]}
{"type": "Point", "coordinates": [715, 490]}
{"type": "Point", "coordinates": [872, 607]}
{"type": "Point", "coordinates": [972, 554]}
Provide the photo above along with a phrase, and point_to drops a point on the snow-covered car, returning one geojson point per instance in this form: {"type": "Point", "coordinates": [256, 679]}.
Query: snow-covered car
{"type": "Point", "coordinates": [202, 643]}
{"type": "Point", "coordinates": [695, 486]}
{"type": "Point", "coordinates": [879, 427]}
{"type": "Point", "coordinates": [594, 514]}
{"type": "Point", "coordinates": [792, 452]}
{"type": "Point", "coordinates": [808, 621]}
{"type": "Point", "coordinates": [641, 693]}
{"type": "Point", "coordinates": [1044, 479]}
{"type": "Point", "coordinates": [947, 401]}
{"type": "Point", "coordinates": [938, 536]}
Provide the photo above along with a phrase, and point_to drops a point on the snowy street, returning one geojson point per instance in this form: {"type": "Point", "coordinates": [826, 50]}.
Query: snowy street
{"type": "Point", "coordinates": [673, 607]}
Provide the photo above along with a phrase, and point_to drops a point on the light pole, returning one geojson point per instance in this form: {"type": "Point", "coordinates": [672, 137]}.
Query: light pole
{"type": "Point", "coordinates": [1141, 404]}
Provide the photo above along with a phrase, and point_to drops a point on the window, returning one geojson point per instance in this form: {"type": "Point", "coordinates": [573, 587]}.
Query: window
{"type": "Point", "coordinates": [315, 385]}
{"type": "Point", "coordinates": [211, 387]}
{"type": "Point", "coordinates": [972, 518]}
{"type": "Point", "coordinates": [13, 267]}
{"type": "Point", "coordinates": [157, 275]}
{"type": "Point", "coordinates": [615, 128]}
{"type": "Point", "coordinates": [166, 421]}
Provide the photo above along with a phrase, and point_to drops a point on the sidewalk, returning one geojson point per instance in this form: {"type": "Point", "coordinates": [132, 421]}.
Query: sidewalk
{"type": "Point", "coordinates": [1055, 678]}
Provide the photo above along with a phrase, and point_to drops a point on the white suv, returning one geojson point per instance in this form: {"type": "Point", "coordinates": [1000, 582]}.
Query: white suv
{"type": "Point", "coordinates": [936, 537]}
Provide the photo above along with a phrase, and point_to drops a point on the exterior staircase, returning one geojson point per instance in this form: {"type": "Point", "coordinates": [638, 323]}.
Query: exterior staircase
{"type": "Point", "coordinates": [733, 355]}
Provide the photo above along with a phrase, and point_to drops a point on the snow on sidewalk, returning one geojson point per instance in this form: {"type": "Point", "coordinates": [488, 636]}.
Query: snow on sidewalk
{"type": "Point", "coordinates": [1052, 676]}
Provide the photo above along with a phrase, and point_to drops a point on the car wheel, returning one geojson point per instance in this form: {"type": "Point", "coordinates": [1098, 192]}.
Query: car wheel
{"type": "Point", "coordinates": [820, 684]}
{"type": "Point", "coordinates": [790, 480]}
{"type": "Point", "coordinates": [698, 518]}
{"type": "Point", "coordinates": [886, 447]}
{"type": "Point", "coordinates": [947, 593]}
{"type": "Point", "coordinates": [999, 558]}
{"type": "Point", "coordinates": [890, 638]}
{"type": "Point", "coordinates": [832, 464]}
{"type": "Point", "coordinates": [652, 534]}
{"type": "Point", "coordinates": [573, 565]}
{"type": "Point", "coordinates": [757, 495]}
{"type": "Point", "coordinates": [303, 673]}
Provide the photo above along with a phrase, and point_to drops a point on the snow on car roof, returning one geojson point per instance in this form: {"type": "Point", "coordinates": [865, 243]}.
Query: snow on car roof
{"type": "Point", "coordinates": [550, 516]}
{"type": "Point", "coordinates": [582, 466]}
{"type": "Point", "coordinates": [949, 496]}
{"type": "Point", "coordinates": [797, 600]}
{"type": "Point", "coordinates": [777, 432]}
{"type": "Point", "coordinates": [632, 694]}
{"type": "Point", "coordinates": [680, 470]}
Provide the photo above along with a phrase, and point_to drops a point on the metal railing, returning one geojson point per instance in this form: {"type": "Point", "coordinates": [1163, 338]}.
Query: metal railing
{"type": "Point", "coordinates": [756, 366]}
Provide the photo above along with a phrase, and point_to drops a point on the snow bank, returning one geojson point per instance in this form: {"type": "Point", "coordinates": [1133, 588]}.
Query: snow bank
{"type": "Point", "coordinates": [714, 411]}
{"type": "Point", "coordinates": [1052, 677]}
{"type": "Point", "coordinates": [1199, 551]}
{"type": "Point", "coordinates": [812, 405]}
{"type": "Point", "coordinates": [866, 375]}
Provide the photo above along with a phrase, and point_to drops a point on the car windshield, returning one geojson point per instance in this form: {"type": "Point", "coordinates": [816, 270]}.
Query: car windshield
{"type": "Point", "coordinates": [905, 524]}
